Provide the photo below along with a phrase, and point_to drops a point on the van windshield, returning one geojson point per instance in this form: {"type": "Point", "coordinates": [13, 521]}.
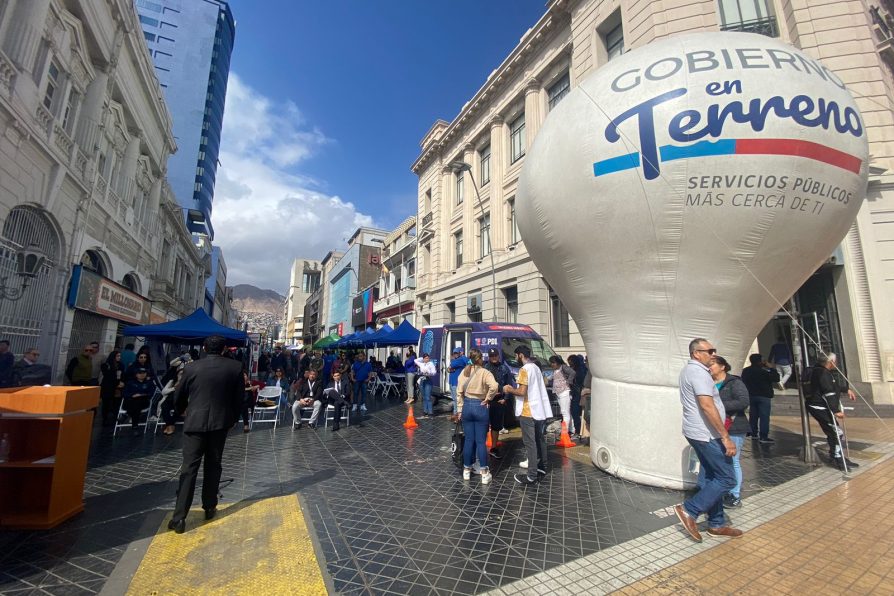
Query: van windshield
{"type": "Point", "coordinates": [539, 348]}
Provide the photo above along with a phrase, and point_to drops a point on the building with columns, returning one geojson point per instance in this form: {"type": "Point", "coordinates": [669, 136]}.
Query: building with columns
{"type": "Point", "coordinates": [316, 306]}
{"type": "Point", "coordinates": [83, 157]}
{"type": "Point", "coordinates": [846, 304]}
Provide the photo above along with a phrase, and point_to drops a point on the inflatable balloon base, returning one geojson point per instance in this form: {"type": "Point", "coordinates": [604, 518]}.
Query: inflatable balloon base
{"type": "Point", "coordinates": [636, 434]}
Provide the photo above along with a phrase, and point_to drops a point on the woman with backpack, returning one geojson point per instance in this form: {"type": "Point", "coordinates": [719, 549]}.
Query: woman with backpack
{"type": "Point", "coordinates": [476, 387]}
{"type": "Point", "coordinates": [562, 382]}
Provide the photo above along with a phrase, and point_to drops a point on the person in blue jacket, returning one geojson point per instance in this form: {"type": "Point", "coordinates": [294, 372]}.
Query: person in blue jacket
{"type": "Point", "coordinates": [360, 374]}
{"type": "Point", "coordinates": [457, 363]}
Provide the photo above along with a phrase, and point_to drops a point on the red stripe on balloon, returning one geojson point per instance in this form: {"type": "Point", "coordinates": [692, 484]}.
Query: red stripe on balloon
{"type": "Point", "coordinates": [799, 148]}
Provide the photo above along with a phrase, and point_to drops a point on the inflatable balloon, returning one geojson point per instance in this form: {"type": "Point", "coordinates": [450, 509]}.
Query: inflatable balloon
{"type": "Point", "coordinates": [685, 189]}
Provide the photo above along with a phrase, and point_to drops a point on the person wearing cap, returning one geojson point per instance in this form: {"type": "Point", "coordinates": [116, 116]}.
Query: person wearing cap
{"type": "Point", "coordinates": [458, 363]}
{"type": "Point", "coordinates": [136, 394]}
{"type": "Point", "coordinates": [501, 372]}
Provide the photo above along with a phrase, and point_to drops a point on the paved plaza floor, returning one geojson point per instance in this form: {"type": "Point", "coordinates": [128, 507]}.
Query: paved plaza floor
{"type": "Point", "coordinates": [377, 509]}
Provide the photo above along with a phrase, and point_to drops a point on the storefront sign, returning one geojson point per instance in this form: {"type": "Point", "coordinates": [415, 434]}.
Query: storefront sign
{"type": "Point", "coordinates": [94, 293]}
{"type": "Point", "coordinates": [362, 308]}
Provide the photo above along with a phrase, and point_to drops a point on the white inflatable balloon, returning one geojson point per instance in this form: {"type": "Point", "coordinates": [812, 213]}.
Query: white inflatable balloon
{"type": "Point", "coordinates": [685, 189]}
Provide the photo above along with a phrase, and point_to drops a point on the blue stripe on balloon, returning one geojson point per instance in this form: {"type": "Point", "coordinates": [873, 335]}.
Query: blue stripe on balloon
{"type": "Point", "coordinates": [616, 164]}
{"type": "Point", "coordinates": [700, 149]}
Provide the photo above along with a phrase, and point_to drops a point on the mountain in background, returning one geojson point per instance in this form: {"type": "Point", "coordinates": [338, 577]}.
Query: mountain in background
{"type": "Point", "coordinates": [248, 298]}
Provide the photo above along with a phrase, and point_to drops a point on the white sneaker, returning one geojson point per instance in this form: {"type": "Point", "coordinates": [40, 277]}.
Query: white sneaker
{"type": "Point", "coordinates": [476, 468]}
{"type": "Point", "coordinates": [354, 409]}
{"type": "Point", "coordinates": [486, 478]}
{"type": "Point", "coordinates": [363, 408]}
{"type": "Point", "coordinates": [503, 431]}
{"type": "Point", "coordinates": [467, 474]}
{"type": "Point", "coordinates": [523, 464]}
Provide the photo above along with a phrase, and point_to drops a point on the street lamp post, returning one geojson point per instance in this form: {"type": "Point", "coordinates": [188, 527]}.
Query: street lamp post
{"type": "Point", "coordinates": [28, 264]}
{"type": "Point", "coordinates": [461, 166]}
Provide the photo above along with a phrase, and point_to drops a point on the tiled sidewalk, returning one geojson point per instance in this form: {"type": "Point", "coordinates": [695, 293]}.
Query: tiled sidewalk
{"type": "Point", "coordinates": [390, 514]}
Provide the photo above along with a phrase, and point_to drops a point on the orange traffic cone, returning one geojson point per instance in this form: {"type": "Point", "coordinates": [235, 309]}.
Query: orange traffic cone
{"type": "Point", "coordinates": [489, 443]}
{"type": "Point", "coordinates": [564, 439]}
{"type": "Point", "coordinates": [411, 420]}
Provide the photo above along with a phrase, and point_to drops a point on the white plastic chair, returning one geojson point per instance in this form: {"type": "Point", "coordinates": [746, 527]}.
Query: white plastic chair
{"type": "Point", "coordinates": [329, 414]}
{"type": "Point", "coordinates": [389, 386]}
{"type": "Point", "coordinates": [260, 413]}
{"type": "Point", "coordinates": [123, 415]}
{"type": "Point", "coordinates": [304, 415]}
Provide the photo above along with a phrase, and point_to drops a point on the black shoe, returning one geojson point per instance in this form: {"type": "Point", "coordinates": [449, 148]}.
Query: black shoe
{"type": "Point", "coordinates": [494, 454]}
{"type": "Point", "coordinates": [732, 502]}
{"type": "Point", "coordinates": [312, 425]}
{"type": "Point", "coordinates": [840, 464]}
{"type": "Point", "coordinates": [541, 472]}
{"type": "Point", "coordinates": [178, 526]}
{"type": "Point", "coordinates": [524, 480]}
{"type": "Point", "coordinates": [210, 513]}
{"type": "Point", "coordinates": [766, 441]}
{"type": "Point", "coordinates": [335, 428]}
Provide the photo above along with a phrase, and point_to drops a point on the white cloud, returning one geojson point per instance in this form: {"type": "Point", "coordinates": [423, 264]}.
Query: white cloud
{"type": "Point", "coordinates": [265, 213]}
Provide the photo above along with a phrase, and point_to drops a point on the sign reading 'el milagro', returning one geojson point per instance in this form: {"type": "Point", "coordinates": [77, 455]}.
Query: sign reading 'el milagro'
{"type": "Point", "coordinates": [97, 294]}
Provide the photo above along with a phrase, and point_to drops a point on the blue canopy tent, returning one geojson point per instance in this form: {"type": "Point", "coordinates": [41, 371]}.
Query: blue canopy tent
{"type": "Point", "coordinates": [343, 342]}
{"type": "Point", "coordinates": [188, 330]}
{"type": "Point", "coordinates": [377, 338]}
{"type": "Point", "coordinates": [404, 335]}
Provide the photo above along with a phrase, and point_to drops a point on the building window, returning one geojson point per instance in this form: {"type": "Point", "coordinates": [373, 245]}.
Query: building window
{"type": "Point", "coordinates": [149, 5]}
{"type": "Point", "coordinates": [149, 36]}
{"type": "Point", "coordinates": [458, 249]}
{"type": "Point", "coordinates": [200, 171]}
{"type": "Point", "coordinates": [517, 139]}
{"type": "Point", "coordinates": [198, 187]}
{"type": "Point", "coordinates": [149, 21]}
{"type": "Point", "coordinates": [53, 75]}
{"type": "Point", "coordinates": [511, 296]}
{"type": "Point", "coordinates": [460, 195]}
{"type": "Point", "coordinates": [484, 156]}
{"type": "Point", "coordinates": [451, 312]}
{"type": "Point", "coordinates": [561, 322]}
{"type": "Point", "coordinates": [559, 90]}
{"type": "Point", "coordinates": [426, 203]}
{"type": "Point", "coordinates": [752, 16]}
{"type": "Point", "coordinates": [614, 41]}
{"type": "Point", "coordinates": [513, 223]}
{"type": "Point", "coordinates": [68, 115]}
{"type": "Point", "coordinates": [484, 236]}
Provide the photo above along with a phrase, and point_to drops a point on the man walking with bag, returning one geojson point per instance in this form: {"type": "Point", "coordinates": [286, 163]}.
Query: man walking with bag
{"type": "Point", "coordinates": [209, 396]}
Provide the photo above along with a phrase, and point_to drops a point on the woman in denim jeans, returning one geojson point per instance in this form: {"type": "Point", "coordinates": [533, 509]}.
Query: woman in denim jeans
{"type": "Point", "coordinates": [734, 395]}
{"type": "Point", "coordinates": [475, 388]}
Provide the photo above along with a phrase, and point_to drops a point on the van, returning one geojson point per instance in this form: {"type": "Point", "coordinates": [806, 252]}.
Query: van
{"type": "Point", "coordinates": [439, 341]}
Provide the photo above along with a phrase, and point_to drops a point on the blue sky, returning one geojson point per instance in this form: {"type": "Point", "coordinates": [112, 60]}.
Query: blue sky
{"type": "Point", "coordinates": [326, 106]}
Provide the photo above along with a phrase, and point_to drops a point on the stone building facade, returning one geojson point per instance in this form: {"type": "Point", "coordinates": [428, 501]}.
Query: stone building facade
{"type": "Point", "coordinates": [85, 140]}
{"type": "Point", "coordinates": [846, 304]}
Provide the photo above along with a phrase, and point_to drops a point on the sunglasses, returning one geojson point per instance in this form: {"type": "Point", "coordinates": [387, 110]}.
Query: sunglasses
{"type": "Point", "coordinates": [712, 351]}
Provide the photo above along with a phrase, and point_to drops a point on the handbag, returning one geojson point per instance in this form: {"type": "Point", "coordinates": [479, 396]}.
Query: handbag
{"type": "Point", "coordinates": [457, 444]}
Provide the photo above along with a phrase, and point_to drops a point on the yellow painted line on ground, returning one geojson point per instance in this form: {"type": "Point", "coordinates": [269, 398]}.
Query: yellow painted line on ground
{"type": "Point", "coordinates": [260, 547]}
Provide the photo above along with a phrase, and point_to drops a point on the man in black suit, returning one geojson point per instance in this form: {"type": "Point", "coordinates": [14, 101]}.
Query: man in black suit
{"type": "Point", "coordinates": [310, 393]}
{"type": "Point", "coordinates": [209, 395]}
{"type": "Point", "coordinates": [339, 396]}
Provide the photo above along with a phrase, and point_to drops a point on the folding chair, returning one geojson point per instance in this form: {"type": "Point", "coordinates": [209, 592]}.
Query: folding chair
{"type": "Point", "coordinates": [261, 413]}
{"type": "Point", "coordinates": [329, 414]}
{"type": "Point", "coordinates": [389, 386]}
{"type": "Point", "coordinates": [123, 415]}
{"type": "Point", "coordinates": [373, 384]}
{"type": "Point", "coordinates": [304, 415]}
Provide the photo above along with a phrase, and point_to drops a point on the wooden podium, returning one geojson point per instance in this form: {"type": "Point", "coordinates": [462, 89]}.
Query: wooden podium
{"type": "Point", "coordinates": [42, 483]}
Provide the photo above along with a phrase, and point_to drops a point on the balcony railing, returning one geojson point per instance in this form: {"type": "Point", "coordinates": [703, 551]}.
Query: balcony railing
{"type": "Point", "coordinates": [766, 26]}
{"type": "Point", "coordinates": [883, 28]}
{"type": "Point", "coordinates": [427, 219]}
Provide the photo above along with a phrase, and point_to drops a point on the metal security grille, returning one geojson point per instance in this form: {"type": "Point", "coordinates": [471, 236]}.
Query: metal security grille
{"type": "Point", "coordinates": [85, 327]}
{"type": "Point", "coordinates": [21, 321]}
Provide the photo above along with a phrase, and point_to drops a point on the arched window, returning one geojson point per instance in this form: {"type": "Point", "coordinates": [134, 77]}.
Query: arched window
{"type": "Point", "coordinates": [131, 282]}
{"type": "Point", "coordinates": [93, 261]}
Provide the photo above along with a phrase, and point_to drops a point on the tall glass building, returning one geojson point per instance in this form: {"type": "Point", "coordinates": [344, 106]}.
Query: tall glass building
{"type": "Point", "coordinates": [190, 42]}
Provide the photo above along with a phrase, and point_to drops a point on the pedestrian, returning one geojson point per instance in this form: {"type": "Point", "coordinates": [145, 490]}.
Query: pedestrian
{"type": "Point", "coordinates": [249, 398]}
{"type": "Point", "coordinates": [360, 372]}
{"type": "Point", "coordinates": [144, 360]}
{"type": "Point", "coordinates": [477, 387]}
{"type": "Point", "coordinates": [582, 371]}
{"type": "Point", "coordinates": [209, 396]}
{"type": "Point", "coordinates": [781, 358]}
{"type": "Point", "coordinates": [7, 363]}
{"type": "Point", "coordinates": [80, 368]}
{"type": "Point", "coordinates": [136, 395]}
{"type": "Point", "coordinates": [532, 410]}
{"type": "Point", "coordinates": [704, 429]}
{"type": "Point", "coordinates": [427, 371]}
{"type": "Point", "coordinates": [278, 379]}
{"type": "Point", "coordinates": [96, 364]}
{"type": "Point", "coordinates": [310, 394]}
{"type": "Point", "coordinates": [110, 387]}
{"type": "Point", "coordinates": [562, 381]}
{"type": "Point", "coordinates": [824, 402]}
{"type": "Point", "coordinates": [167, 407]}
{"type": "Point", "coordinates": [458, 362]}
{"type": "Point", "coordinates": [411, 371]}
{"type": "Point", "coordinates": [734, 395]}
{"type": "Point", "coordinates": [497, 410]}
{"type": "Point", "coordinates": [128, 356]}
{"type": "Point", "coordinates": [28, 371]}
{"type": "Point", "coordinates": [759, 377]}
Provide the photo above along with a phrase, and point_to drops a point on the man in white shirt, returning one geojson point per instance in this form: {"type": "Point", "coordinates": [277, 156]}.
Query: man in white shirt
{"type": "Point", "coordinates": [704, 428]}
{"type": "Point", "coordinates": [427, 371]}
{"type": "Point", "coordinates": [532, 410]}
